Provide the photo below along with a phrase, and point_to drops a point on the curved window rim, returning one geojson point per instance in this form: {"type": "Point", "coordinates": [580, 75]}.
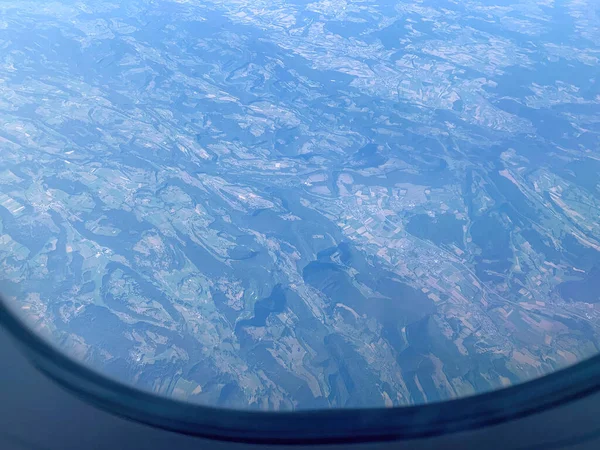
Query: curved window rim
{"type": "Point", "coordinates": [306, 426]}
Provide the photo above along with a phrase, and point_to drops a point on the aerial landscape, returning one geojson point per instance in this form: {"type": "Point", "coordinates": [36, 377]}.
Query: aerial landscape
{"type": "Point", "coordinates": [280, 205]}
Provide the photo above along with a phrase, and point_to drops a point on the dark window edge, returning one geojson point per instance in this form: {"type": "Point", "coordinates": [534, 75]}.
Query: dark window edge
{"type": "Point", "coordinates": [331, 426]}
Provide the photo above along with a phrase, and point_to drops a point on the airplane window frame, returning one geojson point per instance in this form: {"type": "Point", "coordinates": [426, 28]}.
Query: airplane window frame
{"type": "Point", "coordinates": [298, 427]}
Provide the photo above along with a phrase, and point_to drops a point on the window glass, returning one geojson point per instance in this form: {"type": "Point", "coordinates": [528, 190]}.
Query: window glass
{"type": "Point", "coordinates": [287, 205]}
